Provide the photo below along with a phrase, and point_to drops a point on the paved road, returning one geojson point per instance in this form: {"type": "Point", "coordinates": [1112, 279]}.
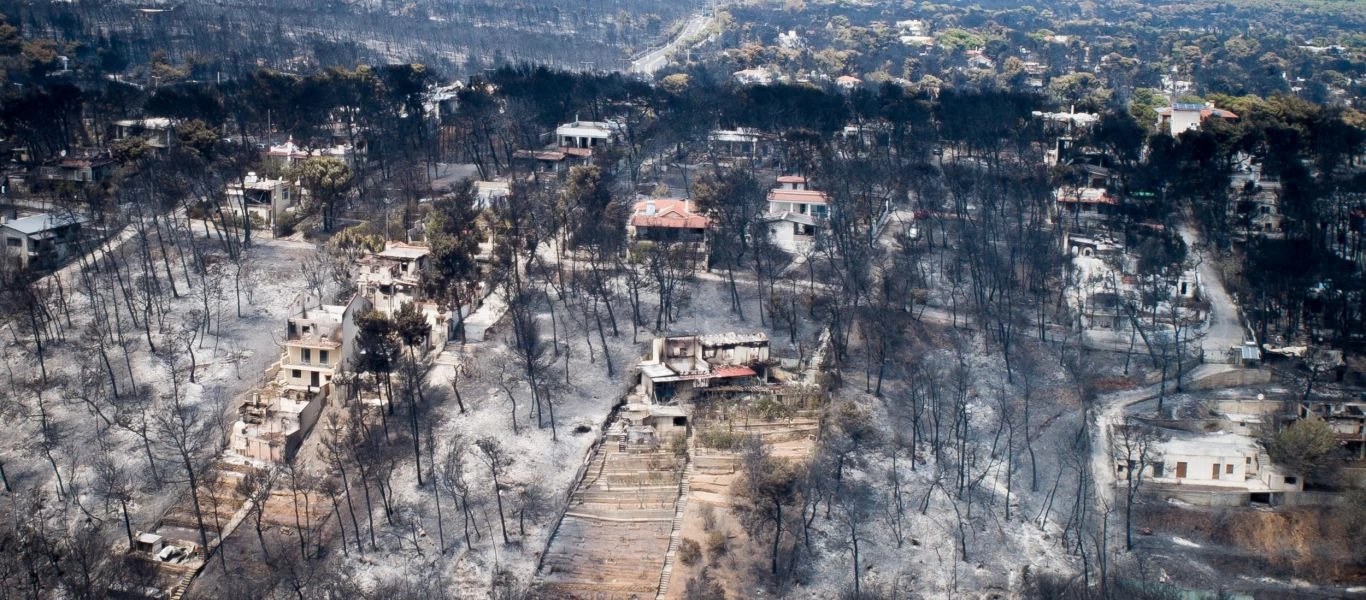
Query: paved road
{"type": "Point", "coordinates": [658, 58]}
{"type": "Point", "coordinates": [1110, 409]}
{"type": "Point", "coordinates": [1224, 328]}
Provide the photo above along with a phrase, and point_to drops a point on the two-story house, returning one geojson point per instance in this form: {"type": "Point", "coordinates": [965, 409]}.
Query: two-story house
{"type": "Point", "coordinates": [262, 197]}
{"type": "Point", "coordinates": [795, 214]}
{"type": "Point", "coordinates": [319, 341]}
{"type": "Point", "coordinates": [678, 364]}
{"type": "Point", "coordinates": [1182, 117]}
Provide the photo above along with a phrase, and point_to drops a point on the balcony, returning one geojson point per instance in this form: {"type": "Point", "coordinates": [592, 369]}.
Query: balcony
{"type": "Point", "coordinates": [289, 362]}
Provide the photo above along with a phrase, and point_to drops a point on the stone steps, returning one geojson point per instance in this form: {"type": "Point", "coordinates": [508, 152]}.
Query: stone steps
{"type": "Point", "coordinates": [675, 532]}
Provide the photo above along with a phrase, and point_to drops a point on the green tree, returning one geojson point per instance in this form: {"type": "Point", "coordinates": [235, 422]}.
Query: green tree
{"type": "Point", "coordinates": [453, 238]}
{"type": "Point", "coordinates": [1303, 446]}
{"type": "Point", "coordinates": [327, 180]}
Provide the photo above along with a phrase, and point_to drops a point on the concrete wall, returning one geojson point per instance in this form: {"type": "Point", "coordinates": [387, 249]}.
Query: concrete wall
{"type": "Point", "coordinates": [307, 419]}
{"type": "Point", "coordinates": [357, 306]}
{"type": "Point", "coordinates": [1235, 378]}
{"type": "Point", "coordinates": [1201, 497]}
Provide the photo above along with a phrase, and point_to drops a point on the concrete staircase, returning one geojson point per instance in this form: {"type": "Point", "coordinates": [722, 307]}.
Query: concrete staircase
{"type": "Point", "coordinates": [676, 533]}
{"type": "Point", "coordinates": [182, 586]}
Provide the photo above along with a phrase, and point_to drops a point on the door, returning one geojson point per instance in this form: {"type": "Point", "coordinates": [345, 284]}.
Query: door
{"type": "Point", "coordinates": [314, 379]}
{"type": "Point", "coordinates": [1215, 473]}
{"type": "Point", "coordinates": [1180, 470]}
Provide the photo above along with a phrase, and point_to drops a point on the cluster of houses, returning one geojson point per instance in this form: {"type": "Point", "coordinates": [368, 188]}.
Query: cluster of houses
{"type": "Point", "coordinates": [1092, 216]}
{"type": "Point", "coordinates": [319, 339]}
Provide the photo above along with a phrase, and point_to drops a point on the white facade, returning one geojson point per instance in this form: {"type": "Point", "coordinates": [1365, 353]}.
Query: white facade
{"type": "Point", "coordinates": [1223, 460]}
{"type": "Point", "coordinates": [266, 198]}
{"type": "Point", "coordinates": [40, 239]}
{"type": "Point", "coordinates": [318, 342]}
{"type": "Point", "coordinates": [795, 214]}
{"type": "Point", "coordinates": [587, 134]}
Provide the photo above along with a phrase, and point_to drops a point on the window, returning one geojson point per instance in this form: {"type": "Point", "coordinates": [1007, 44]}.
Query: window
{"type": "Point", "coordinates": [1180, 470]}
{"type": "Point", "coordinates": [297, 373]}
{"type": "Point", "coordinates": [1215, 471]}
{"type": "Point", "coordinates": [1228, 469]}
{"type": "Point", "coordinates": [322, 357]}
{"type": "Point", "coordinates": [1291, 480]}
{"type": "Point", "coordinates": [1247, 460]}
{"type": "Point", "coordinates": [306, 354]}
{"type": "Point", "coordinates": [14, 242]}
{"type": "Point", "coordinates": [680, 421]}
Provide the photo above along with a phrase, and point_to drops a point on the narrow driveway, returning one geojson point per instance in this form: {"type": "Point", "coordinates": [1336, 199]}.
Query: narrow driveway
{"type": "Point", "coordinates": [1223, 329]}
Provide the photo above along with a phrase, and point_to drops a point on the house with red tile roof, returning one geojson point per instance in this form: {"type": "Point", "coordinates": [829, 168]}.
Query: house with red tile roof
{"type": "Point", "coordinates": [667, 220]}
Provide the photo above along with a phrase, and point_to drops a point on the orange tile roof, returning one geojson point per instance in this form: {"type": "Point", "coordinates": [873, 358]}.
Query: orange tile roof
{"type": "Point", "coordinates": [806, 196]}
{"type": "Point", "coordinates": [669, 212]}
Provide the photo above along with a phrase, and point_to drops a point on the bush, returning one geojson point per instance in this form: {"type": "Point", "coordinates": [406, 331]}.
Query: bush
{"type": "Point", "coordinates": [719, 439]}
{"type": "Point", "coordinates": [718, 544]}
{"type": "Point", "coordinates": [689, 552]}
{"type": "Point", "coordinates": [679, 445]}
{"type": "Point", "coordinates": [284, 226]}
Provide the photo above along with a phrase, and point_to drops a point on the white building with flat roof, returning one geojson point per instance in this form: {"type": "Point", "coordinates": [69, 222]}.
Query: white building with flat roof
{"type": "Point", "coordinates": [1218, 461]}
{"type": "Point", "coordinates": [587, 134]}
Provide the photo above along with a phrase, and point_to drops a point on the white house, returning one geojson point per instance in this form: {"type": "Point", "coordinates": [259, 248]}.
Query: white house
{"type": "Point", "coordinates": [1218, 462]}
{"type": "Point", "coordinates": [735, 143]}
{"type": "Point", "coordinates": [1181, 117]}
{"type": "Point", "coordinates": [288, 153]}
{"type": "Point", "coordinates": [318, 341]}
{"type": "Point", "coordinates": [848, 82]}
{"type": "Point", "coordinates": [753, 77]}
{"type": "Point", "coordinates": [263, 197]}
{"type": "Point", "coordinates": [39, 240]}
{"type": "Point", "coordinates": [587, 134]}
{"type": "Point", "coordinates": [158, 132]}
{"type": "Point", "coordinates": [795, 214]}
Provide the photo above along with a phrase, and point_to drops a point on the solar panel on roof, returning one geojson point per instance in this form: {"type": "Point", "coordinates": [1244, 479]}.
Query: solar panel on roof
{"type": "Point", "coordinates": [1188, 106]}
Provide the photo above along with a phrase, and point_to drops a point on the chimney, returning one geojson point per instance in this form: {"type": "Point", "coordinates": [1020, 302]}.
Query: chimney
{"type": "Point", "coordinates": [650, 208]}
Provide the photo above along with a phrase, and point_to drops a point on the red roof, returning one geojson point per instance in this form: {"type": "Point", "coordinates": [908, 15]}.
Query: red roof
{"type": "Point", "coordinates": [806, 196]}
{"type": "Point", "coordinates": [791, 179]}
{"type": "Point", "coordinates": [740, 371]}
{"type": "Point", "coordinates": [1205, 112]}
{"type": "Point", "coordinates": [579, 152]}
{"type": "Point", "coordinates": [668, 212]}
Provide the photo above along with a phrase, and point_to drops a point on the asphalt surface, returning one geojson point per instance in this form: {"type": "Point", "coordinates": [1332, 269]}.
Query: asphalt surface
{"type": "Point", "coordinates": [658, 58]}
